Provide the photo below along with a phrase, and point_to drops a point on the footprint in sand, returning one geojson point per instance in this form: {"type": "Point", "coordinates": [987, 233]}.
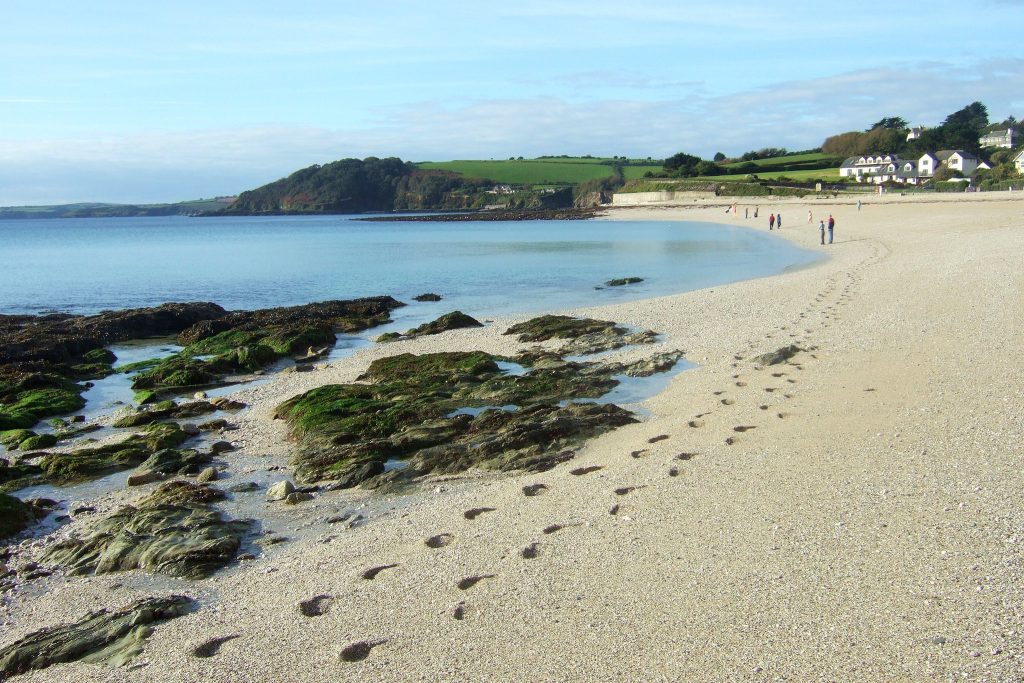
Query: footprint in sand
{"type": "Point", "coordinates": [534, 489]}
{"type": "Point", "coordinates": [470, 581]}
{"type": "Point", "coordinates": [718, 393]}
{"type": "Point", "coordinates": [371, 573]}
{"type": "Point", "coordinates": [685, 456]}
{"type": "Point", "coordinates": [769, 389]}
{"type": "Point", "coordinates": [728, 401]}
{"type": "Point", "coordinates": [585, 470]}
{"type": "Point", "coordinates": [638, 454]}
{"type": "Point", "coordinates": [530, 552]}
{"type": "Point", "coordinates": [743, 428]}
{"type": "Point", "coordinates": [614, 509]}
{"type": "Point", "coordinates": [552, 528]}
{"type": "Point", "coordinates": [696, 423]}
{"type": "Point", "coordinates": [439, 541]}
{"type": "Point", "coordinates": [763, 407]}
{"type": "Point", "coordinates": [778, 374]}
{"type": "Point", "coordinates": [316, 606]}
{"type": "Point", "coordinates": [741, 384]}
{"type": "Point", "coordinates": [624, 490]}
{"type": "Point", "coordinates": [673, 472]}
{"type": "Point", "coordinates": [730, 441]}
{"type": "Point", "coordinates": [782, 416]}
{"type": "Point", "coordinates": [357, 652]}
{"type": "Point", "coordinates": [476, 512]}
{"type": "Point", "coordinates": [656, 439]}
{"type": "Point", "coordinates": [211, 647]}
{"type": "Point", "coordinates": [462, 610]}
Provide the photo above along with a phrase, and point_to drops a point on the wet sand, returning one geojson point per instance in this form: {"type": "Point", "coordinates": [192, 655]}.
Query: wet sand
{"type": "Point", "coordinates": [855, 514]}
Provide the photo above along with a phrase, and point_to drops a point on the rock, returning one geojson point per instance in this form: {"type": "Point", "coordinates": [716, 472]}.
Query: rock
{"type": "Point", "coordinates": [172, 531]}
{"type": "Point", "coordinates": [429, 296]}
{"type": "Point", "coordinates": [280, 490]}
{"type": "Point", "coordinates": [38, 442]}
{"type": "Point", "coordinates": [619, 282]}
{"type": "Point", "coordinates": [213, 425]}
{"type": "Point", "coordinates": [190, 429]}
{"type": "Point", "coordinates": [15, 516]}
{"type": "Point", "coordinates": [107, 636]}
{"type": "Point", "coordinates": [201, 395]}
{"type": "Point", "coordinates": [173, 461]}
{"type": "Point", "coordinates": [557, 327]}
{"type": "Point", "coordinates": [297, 497]}
{"type": "Point", "coordinates": [780, 355]}
{"type": "Point", "coordinates": [209, 474]}
{"type": "Point", "coordinates": [143, 477]}
{"type": "Point", "coordinates": [221, 447]}
{"type": "Point", "coordinates": [449, 321]}
{"type": "Point", "coordinates": [244, 487]}
{"type": "Point", "coordinates": [224, 403]}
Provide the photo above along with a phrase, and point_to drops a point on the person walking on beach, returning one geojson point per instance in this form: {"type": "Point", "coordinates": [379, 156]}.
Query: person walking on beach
{"type": "Point", "coordinates": [831, 224]}
{"type": "Point", "coordinates": [755, 211]}
{"type": "Point", "coordinates": [810, 217]}
{"type": "Point", "coordinates": [821, 230]}
{"type": "Point", "coordinates": [778, 222]}
{"type": "Point", "coordinates": [858, 205]}
{"type": "Point", "coordinates": [771, 222]}
{"type": "Point", "coordinates": [746, 212]}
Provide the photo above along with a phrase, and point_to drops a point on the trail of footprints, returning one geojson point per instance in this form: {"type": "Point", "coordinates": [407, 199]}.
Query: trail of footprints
{"type": "Point", "coordinates": [837, 291]}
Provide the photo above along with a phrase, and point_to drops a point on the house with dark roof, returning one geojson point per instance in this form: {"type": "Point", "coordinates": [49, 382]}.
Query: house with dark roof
{"type": "Point", "coordinates": [957, 159]}
{"type": "Point", "coordinates": [1000, 138]}
{"type": "Point", "coordinates": [1018, 161]}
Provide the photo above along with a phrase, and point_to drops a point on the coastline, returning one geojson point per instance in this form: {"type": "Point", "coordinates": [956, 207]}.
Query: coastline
{"type": "Point", "coordinates": [863, 515]}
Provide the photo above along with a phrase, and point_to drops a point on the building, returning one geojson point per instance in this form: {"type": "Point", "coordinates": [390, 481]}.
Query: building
{"type": "Point", "coordinates": [866, 165]}
{"type": "Point", "coordinates": [963, 162]}
{"type": "Point", "coordinates": [1018, 161]}
{"type": "Point", "coordinates": [914, 133]}
{"type": "Point", "coordinates": [1000, 138]}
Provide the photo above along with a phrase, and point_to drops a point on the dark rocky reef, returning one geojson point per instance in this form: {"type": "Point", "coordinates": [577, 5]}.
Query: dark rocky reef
{"type": "Point", "coordinates": [455, 320]}
{"type": "Point", "coordinates": [621, 281]}
{"type": "Point", "coordinates": [429, 296]}
{"type": "Point", "coordinates": [433, 411]}
{"type": "Point", "coordinates": [779, 355]}
{"type": "Point", "coordinates": [173, 531]}
{"type": "Point", "coordinates": [15, 516]}
{"type": "Point", "coordinates": [246, 341]}
{"type": "Point", "coordinates": [113, 637]}
{"type": "Point", "coordinates": [563, 214]}
{"type": "Point", "coordinates": [586, 336]}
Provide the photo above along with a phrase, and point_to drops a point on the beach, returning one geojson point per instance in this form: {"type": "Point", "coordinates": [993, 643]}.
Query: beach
{"type": "Point", "coordinates": [851, 514]}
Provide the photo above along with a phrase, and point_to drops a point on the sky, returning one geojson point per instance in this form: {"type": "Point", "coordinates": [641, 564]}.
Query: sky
{"type": "Point", "coordinates": [156, 102]}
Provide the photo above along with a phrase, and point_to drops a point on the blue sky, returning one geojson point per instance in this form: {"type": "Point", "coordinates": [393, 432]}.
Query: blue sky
{"type": "Point", "coordinates": [134, 102]}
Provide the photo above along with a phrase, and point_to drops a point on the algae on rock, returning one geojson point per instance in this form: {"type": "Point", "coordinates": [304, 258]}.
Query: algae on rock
{"type": "Point", "coordinates": [172, 531]}
{"type": "Point", "coordinates": [106, 636]}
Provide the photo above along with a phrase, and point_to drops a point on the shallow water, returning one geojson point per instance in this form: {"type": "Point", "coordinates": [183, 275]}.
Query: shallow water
{"type": "Point", "coordinates": [87, 265]}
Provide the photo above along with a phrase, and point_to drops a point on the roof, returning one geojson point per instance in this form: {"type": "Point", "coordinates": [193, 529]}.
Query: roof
{"type": "Point", "coordinates": [944, 154]}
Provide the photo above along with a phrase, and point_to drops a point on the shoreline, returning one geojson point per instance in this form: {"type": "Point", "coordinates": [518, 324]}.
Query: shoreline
{"type": "Point", "coordinates": [842, 533]}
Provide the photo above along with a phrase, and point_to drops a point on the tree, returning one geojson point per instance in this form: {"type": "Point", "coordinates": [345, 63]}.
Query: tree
{"type": "Point", "coordinates": [681, 164]}
{"type": "Point", "coordinates": [892, 122]}
{"type": "Point", "coordinates": [719, 156]}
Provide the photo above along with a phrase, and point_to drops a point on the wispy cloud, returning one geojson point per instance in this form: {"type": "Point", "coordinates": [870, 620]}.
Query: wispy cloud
{"type": "Point", "coordinates": [164, 165]}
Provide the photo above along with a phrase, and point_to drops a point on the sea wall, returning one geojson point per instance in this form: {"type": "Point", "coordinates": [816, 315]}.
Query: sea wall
{"type": "Point", "coordinates": [641, 198]}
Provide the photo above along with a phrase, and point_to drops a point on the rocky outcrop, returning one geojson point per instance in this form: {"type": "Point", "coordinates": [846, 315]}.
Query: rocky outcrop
{"type": "Point", "coordinates": [455, 320]}
{"type": "Point", "coordinates": [112, 637]}
{"type": "Point", "coordinates": [414, 408]}
{"type": "Point", "coordinates": [173, 531]}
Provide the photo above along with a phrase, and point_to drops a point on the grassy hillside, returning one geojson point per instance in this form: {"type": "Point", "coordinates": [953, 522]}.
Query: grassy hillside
{"type": "Point", "coordinates": [97, 210]}
{"type": "Point", "coordinates": [826, 174]}
{"type": "Point", "coordinates": [543, 171]}
{"type": "Point", "coordinates": [792, 159]}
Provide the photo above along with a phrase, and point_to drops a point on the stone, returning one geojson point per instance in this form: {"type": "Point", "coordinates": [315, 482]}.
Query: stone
{"type": "Point", "coordinates": [429, 296]}
{"type": "Point", "coordinates": [209, 474]}
{"type": "Point", "coordinates": [280, 490]}
{"type": "Point", "coordinates": [112, 637]}
{"type": "Point", "coordinates": [244, 487]}
{"type": "Point", "coordinates": [620, 281]}
{"type": "Point", "coordinates": [221, 447]}
{"type": "Point", "coordinates": [143, 477]}
{"type": "Point", "coordinates": [297, 497]}
{"type": "Point", "coordinates": [780, 355]}
{"type": "Point", "coordinates": [190, 429]}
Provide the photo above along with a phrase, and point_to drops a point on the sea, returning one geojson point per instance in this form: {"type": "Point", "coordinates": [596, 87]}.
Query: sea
{"type": "Point", "coordinates": [483, 268]}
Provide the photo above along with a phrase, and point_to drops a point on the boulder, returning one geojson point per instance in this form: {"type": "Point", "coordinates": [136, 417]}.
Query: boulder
{"type": "Point", "coordinates": [208, 474]}
{"type": "Point", "coordinates": [143, 477]}
{"type": "Point", "coordinates": [280, 490]}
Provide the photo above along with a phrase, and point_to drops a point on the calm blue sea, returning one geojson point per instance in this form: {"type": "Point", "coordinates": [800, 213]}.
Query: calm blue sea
{"type": "Point", "coordinates": [482, 268]}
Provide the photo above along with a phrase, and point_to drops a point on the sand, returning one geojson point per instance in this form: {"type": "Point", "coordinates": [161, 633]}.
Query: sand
{"type": "Point", "coordinates": [853, 516]}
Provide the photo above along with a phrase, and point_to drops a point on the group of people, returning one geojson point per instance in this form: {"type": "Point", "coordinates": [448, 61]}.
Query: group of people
{"type": "Point", "coordinates": [775, 220]}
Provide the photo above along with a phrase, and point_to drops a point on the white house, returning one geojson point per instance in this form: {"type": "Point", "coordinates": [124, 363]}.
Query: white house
{"type": "Point", "coordinates": [1018, 161]}
{"type": "Point", "coordinates": [866, 165]}
{"type": "Point", "coordinates": [958, 160]}
{"type": "Point", "coordinates": [999, 138]}
{"type": "Point", "coordinates": [914, 133]}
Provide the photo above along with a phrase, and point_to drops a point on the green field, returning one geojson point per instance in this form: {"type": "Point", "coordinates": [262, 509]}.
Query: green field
{"type": "Point", "coordinates": [813, 157]}
{"type": "Point", "coordinates": [544, 171]}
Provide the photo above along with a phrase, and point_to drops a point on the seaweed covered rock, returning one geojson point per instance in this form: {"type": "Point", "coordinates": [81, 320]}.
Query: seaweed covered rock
{"type": "Point", "coordinates": [112, 637]}
{"type": "Point", "coordinates": [557, 327]}
{"type": "Point", "coordinates": [621, 281]}
{"type": "Point", "coordinates": [455, 320]}
{"type": "Point", "coordinates": [415, 403]}
{"type": "Point", "coordinates": [173, 531]}
{"type": "Point", "coordinates": [428, 296]}
{"type": "Point", "coordinates": [89, 463]}
{"type": "Point", "coordinates": [779, 355]}
{"type": "Point", "coordinates": [15, 516]}
{"type": "Point", "coordinates": [246, 341]}
{"type": "Point", "coordinates": [27, 399]}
